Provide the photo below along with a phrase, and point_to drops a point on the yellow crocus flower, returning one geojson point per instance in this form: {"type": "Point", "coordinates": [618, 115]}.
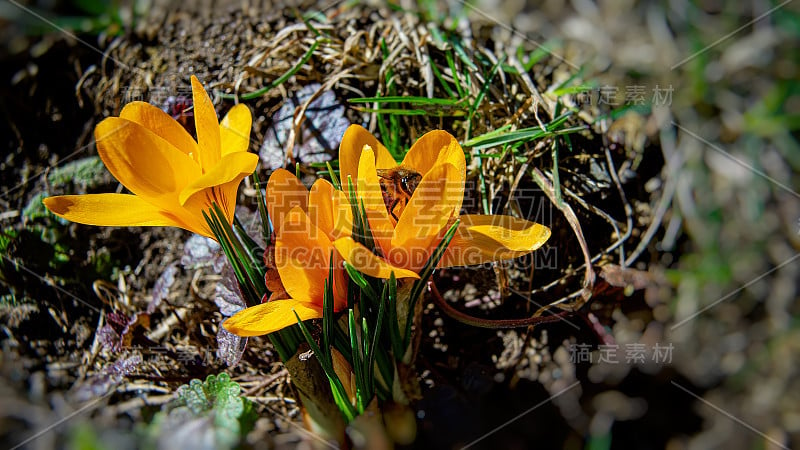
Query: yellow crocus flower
{"type": "Point", "coordinates": [172, 177]}
{"type": "Point", "coordinates": [305, 223]}
{"type": "Point", "coordinates": [406, 242]}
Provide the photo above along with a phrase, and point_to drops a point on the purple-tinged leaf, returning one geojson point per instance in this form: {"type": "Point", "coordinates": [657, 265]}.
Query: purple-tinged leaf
{"type": "Point", "coordinates": [320, 132]}
{"type": "Point", "coordinates": [231, 347]}
{"type": "Point", "coordinates": [102, 382]}
{"type": "Point", "coordinates": [161, 287]}
{"type": "Point", "coordinates": [227, 296]}
{"type": "Point", "coordinates": [120, 328]}
{"type": "Point", "coordinates": [200, 251]}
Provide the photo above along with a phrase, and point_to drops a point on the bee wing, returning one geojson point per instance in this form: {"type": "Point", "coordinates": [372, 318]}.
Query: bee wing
{"type": "Point", "coordinates": [386, 174]}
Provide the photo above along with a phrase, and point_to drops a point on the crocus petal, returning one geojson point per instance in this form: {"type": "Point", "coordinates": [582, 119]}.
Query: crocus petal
{"type": "Point", "coordinates": [269, 317]}
{"type": "Point", "coordinates": [207, 126]}
{"type": "Point", "coordinates": [284, 192]}
{"type": "Point", "coordinates": [231, 167]}
{"type": "Point", "coordinates": [120, 210]}
{"type": "Point", "coordinates": [224, 195]}
{"type": "Point", "coordinates": [434, 148]}
{"type": "Point", "coordinates": [329, 210]}
{"type": "Point", "coordinates": [486, 238]}
{"type": "Point", "coordinates": [234, 130]}
{"type": "Point", "coordinates": [144, 162]}
{"type": "Point", "coordinates": [369, 191]}
{"type": "Point", "coordinates": [366, 262]}
{"type": "Point", "coordinates": [160, 123]}
{"type": "Point", "coordinates": [302, 255]}
{"type": "Point", "coordinates": [353, 142]}
{"type": "Point", "coordinates": [429, 209]}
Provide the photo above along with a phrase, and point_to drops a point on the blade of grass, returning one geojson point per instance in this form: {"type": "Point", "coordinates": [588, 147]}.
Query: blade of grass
{"type": "Point", "coordinates": [373, 348]}
{"type": "Point", "coordinates": [278, 81]}
{"type": "Point", "coordinates": [452, 65]}
{"type": "Point", "coordinates": [394, 325]}
{"type": "Point", "coordinates": [474, 107]}
{"type": "Point", "coordinates": [393, 112]}
{"type": "Point", "coordinates": [445, 85]}
{"type": "Point", "coordinates": [334, 177]}
{"type": "Point", "coordinates": [263, 212]}
{"type": "Point", "coordinates": [494, 140]}
{"type": "Point", "coordinates": [409, 99]}
{"type": "Point", "coordinates": [358, 278]}
{"type": "Point", "coordinates": [358, 359]}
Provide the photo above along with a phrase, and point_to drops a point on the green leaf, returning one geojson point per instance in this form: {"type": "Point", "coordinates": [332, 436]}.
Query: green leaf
{"type": "Point", "coordinates": [493, 139]}
{"type": "Point", "coordinates": [359, 279]}
{"type": "Point", "coordinates": [325, 360]}
{"type": "Point", "coordinates": [334, 179]}
{"type": "Point", "coordinates": [207, 413]}
{"type": "Point", "coordinates": [266, 226]}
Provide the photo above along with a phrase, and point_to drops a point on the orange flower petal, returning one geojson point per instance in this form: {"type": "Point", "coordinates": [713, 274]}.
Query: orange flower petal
{"type": "Point", "coordinates": [303, 256]}
{"type": "Point", "coordinates": [270, 317]}
{"type": "Point", "coordinates": [369, 191]}
{"type": "Point", "coordinates": [486, 238]}
{"type": "Point", "coordinates": [434, 148]}
{"type": "Point", "coordinates": [284, 192]}
{"type": "Point", "coordinates": [160, 123]}
{"type": "Point", "coordinates": [366, 262]}
{"type": "Point", "coordinates": [207, 126]}
{"type": "Point", "coordinates": [119, 210]}
{"type": "Point", "coordinates": [343, 219]}
{"type": "Point", "coordinates": [224, 195]}
{"type": "Point", "coordinates": [428, 212]}
{"type": "Point", "coordinates": [340, 281]}
{"type": "Point", "coordinates": [234, 130]}
{"type": "Point", "coordinates": [329, 210]}
{"type": "Point", "coordinates": [353, 142]}
{"type": "Point", "coordinates": [144, 162]}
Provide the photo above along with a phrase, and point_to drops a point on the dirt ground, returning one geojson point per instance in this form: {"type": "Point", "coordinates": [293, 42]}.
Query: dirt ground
{"type": "Point", "coordinates": [680, 171]}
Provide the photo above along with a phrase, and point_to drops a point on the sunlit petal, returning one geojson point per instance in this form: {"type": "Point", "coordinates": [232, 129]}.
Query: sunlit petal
{"type": "Point", "coordinates": [369, 192]}
{"type": "Point", "coordinates": [284, 192]}
{"type": "Point", "coordinates": [366, 262]}
{"type": "Point", "coordinates": [302, 255]}
{"type": "Point", "coordinates": [160, 123]}
{"type": "Point", "coordinates": [119, 210]}
{"type": "Point", "coordinates": [207, 126]}
{"type": "Point", "coordinates": [234, 166]}
{"type": "Point", "coordinates": [343, 218]}
{"type": "Point", "coordinates": [353, 142]}
{"type": "Point", "coordinates": [434, 148]}
{"type": "Point", "coordinates": [429, 210]}
{"type": "Point", "coordinates": [224, 195]}
{"type": "Point", "coordinates": [329, 210]}
{"type": "Point", "coordinates": [234, 130]}
{"type": "Point", "coordinates": [144, 162]}
{"type": "Point", "coordinates": [481, 239]}
{"type": "Point", "coordinates": [269, 317]}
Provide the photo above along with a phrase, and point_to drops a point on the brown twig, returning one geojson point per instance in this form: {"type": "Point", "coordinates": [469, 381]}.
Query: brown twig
{"type": "Point", "coordinates": [490, 323]}
{"type": "Point", "coordinates": [589, 276]}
